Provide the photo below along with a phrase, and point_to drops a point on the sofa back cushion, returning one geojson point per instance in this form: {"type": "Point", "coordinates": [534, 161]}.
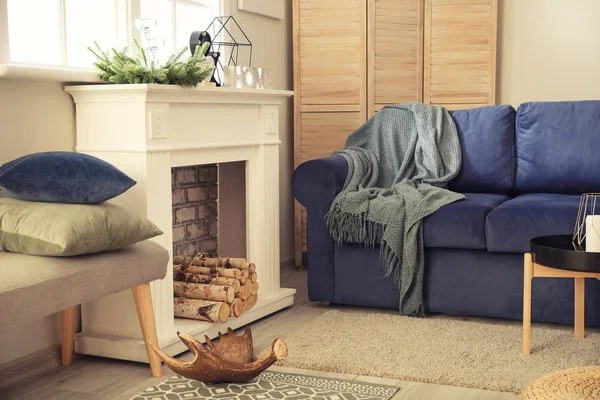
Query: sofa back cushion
{"type": "Point", "coordinates": [558, 147]}
{"type": "Point", "coordinates": [487, 139]}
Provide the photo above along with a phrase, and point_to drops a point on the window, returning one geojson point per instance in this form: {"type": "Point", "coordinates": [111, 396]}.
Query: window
{"type": "Point", "coordinates": [177, 19]}
{"type": "Point", "coordinates": [58, 32]}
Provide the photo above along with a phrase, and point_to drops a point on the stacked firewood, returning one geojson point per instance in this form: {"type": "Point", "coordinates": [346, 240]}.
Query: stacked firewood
{"type": "Point", "coordinates": [213, 289]}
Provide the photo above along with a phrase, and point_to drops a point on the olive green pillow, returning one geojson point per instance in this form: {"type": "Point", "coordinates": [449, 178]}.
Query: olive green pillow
{"type": "Point", "coordinates": [54, 229]}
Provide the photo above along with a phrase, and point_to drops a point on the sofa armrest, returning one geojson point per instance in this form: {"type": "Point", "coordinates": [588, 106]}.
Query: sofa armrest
{"type": "Point", "coordinates": [315, 184]}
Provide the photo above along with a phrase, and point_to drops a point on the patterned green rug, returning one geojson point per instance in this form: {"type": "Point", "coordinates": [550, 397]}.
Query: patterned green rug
{"type": "Point", "coordinates": [269, 385]}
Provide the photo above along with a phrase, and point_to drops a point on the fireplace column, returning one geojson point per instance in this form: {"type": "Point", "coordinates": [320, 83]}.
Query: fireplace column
{"type": "Point", "coordinates": [262, 197]}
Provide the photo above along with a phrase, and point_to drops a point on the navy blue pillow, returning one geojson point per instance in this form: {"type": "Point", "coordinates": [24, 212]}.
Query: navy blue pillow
{"type": "Point", "coordinates": [557, 147]}
{"type": "Point", "coordinates": [487, 139]}
{"type": "Point", "coordinates": [62, 177]}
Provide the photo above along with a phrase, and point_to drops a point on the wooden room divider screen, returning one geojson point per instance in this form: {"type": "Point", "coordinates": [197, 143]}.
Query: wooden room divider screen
{"type": "Point", "coordinates": [353, 57]}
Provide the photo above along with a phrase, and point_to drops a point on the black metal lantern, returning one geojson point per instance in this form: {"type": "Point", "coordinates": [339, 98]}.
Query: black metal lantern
{"type": "Point", "coordinates": [226, 37]}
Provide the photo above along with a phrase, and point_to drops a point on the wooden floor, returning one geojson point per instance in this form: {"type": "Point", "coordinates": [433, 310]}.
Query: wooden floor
{"type": "Point", "coordinates": [94, 378]}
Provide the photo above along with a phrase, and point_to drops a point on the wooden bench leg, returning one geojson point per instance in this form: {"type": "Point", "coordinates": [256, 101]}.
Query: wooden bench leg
{"type": "Point", "coordinates": [143, 304]}
{"type": "Point", "coordinates": [527, 278]}
{"type": "Point", "coordinates": [579, 308]}
{"type": "Point", "coordinates": [68, 317]}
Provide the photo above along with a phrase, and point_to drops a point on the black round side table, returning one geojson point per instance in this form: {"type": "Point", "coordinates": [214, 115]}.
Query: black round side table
{"type": "Point", "coordinates": [554, 257]}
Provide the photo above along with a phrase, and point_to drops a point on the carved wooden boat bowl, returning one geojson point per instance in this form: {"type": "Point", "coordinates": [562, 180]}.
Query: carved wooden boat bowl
{"type": "Point", "coordinates": [228, 360]}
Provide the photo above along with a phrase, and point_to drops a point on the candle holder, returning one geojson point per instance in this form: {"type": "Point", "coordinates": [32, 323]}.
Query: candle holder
{"type": "Point", "coordinates": [584, 225]}
{"type": "Point", "coordinates": [154, 44]}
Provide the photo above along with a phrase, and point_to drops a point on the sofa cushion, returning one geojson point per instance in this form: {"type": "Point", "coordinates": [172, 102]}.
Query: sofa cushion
{"type": "Point", "coordinates": [487, 138]}
{"type": "Point", "coordinates": [32, 287]}
{"type": "Point", "coordinates": [557, 147]}
{"type": "Point", "coordinates": [459, 225]}
{"type": "Point", "coordinates": [511, 226]}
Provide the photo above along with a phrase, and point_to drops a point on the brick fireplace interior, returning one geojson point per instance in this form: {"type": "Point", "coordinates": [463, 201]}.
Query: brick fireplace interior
{"type": "Point", "coordinates": [195, 209]}
{"type": "Point", "coordinates": [209, 209]}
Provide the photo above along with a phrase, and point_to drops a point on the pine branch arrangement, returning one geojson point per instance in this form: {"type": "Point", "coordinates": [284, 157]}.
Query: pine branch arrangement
{"type": "Point", "coordinates": [123, 69]}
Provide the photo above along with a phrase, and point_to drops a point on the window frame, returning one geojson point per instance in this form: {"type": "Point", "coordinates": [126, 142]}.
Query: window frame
{"type": "Point", "coordinates": [63, 71]}
{"type": "Point", "coordinates": [4, 50]}
{"type": "Point", "coordinates": [174, 46]}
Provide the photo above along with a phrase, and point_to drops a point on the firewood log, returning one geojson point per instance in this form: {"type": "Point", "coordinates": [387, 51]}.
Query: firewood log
{"type": "Point", "coordinates": [244, 305]}
{"type": "Point", "coordinates": [237, 307]}
{"type": "Point", "coordinates": [221, 280]}
{"type": "Point", "coordinates": [181, 260]}
{"type": "Point", "coordinates": [204, 292]}
{"type": "Point", "coordinates": [212, 271]}
{"type": "Point", "coordinates": [243, 293]}
{"type": "Point", "coordinates": [203, 261]}
{"type": "Point", "coordinates": [206, 279]}
{"type": "Point", "coordinates": [252, 267]}
{"type": "Point", "coordinates": [243, 279]}
{"type": "Point", "coordinates": [203, 310]}
{"type": "Point", "coordinates": [253, 288]}
{"type": "Point", "coordinates": [251, 302]}
{"type": "Point", "coordinates": [225, 272]}
{"type": "Point", "coordinates": [253, 277]}
{"type": "Point", "coordinates": [245, 272]}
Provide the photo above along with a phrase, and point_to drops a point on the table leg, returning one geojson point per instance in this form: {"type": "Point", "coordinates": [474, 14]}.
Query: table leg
{"type": "Point", "coordinates": [527, 278]}
{"type": "Point", "coordinates": [142, 297]}
{"type": "Point", "coordinates": [69, 320]}
{"type": "Point", "coordinates": [579, 307]}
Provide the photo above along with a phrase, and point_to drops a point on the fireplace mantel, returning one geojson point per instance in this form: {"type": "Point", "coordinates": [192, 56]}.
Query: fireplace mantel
{"type": "Point", "coordinates": [145, 130]}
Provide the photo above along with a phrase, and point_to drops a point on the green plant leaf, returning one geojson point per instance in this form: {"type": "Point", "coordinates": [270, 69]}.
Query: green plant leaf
{"type": "Point", "coordinates": [120, 68]}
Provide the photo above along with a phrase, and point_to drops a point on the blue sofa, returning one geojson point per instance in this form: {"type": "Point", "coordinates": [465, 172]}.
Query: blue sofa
{"type": "Point", "coordinates": [522, 174]}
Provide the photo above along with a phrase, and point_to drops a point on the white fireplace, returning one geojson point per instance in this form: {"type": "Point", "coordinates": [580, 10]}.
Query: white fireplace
{"type": "Point", "coordinates": [145, 130]}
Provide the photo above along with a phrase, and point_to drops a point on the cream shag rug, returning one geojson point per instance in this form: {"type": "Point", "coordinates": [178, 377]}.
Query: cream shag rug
{"type": "Point", "coordinates": [441, 350]}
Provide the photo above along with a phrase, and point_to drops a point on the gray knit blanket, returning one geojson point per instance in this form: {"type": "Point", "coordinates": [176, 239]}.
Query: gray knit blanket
{"type": "Point", "coordinates": [399, 163]}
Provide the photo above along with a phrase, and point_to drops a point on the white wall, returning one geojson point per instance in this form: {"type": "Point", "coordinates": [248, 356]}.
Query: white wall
{"type": "Point", "coordinates": [34, 117]}
{"type": "Point", "coordinates": [548, 50]}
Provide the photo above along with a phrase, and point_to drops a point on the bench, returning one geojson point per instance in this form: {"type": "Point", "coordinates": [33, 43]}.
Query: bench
{"type": "Point", "coordinates": [32, 287]}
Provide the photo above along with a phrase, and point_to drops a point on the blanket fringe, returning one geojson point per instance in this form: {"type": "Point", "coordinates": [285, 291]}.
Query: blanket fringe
{"type": "Point", "coordinates": [355, 228]}
{"type": "Point", "coordinates": [390, 262]}
{"type": "Point", "coordinates": [347, 227]}
{"type": "Point", "coordinates": [350, 228]}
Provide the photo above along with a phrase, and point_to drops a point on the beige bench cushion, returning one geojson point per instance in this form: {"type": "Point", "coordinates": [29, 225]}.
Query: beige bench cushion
{"type": "Point", "coordinates": [32, 287]}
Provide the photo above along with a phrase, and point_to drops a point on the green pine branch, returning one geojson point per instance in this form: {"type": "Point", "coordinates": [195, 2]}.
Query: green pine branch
{"type": "Point", "coordinates": [123, 69]}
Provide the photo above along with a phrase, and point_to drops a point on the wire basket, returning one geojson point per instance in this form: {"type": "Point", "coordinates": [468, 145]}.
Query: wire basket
{"type": "Point", "coordinates": [226, 38]}
{"type": "Point", "coordinates": [587, 207]}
